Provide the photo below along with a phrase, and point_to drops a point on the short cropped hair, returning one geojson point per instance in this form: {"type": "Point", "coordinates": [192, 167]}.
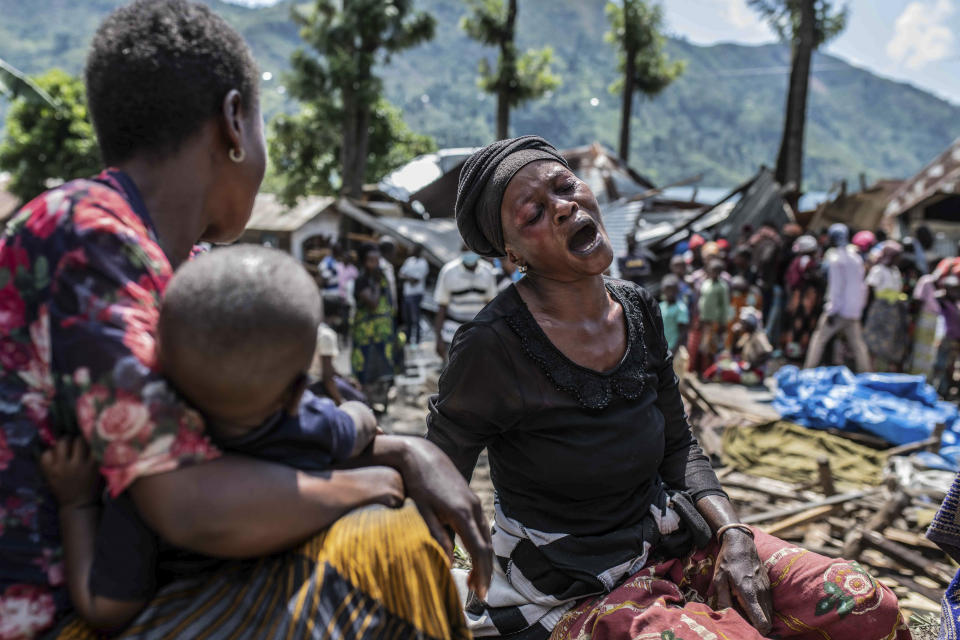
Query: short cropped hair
{"type": "Point", "coordinates": [157, 70]}
{"type": "Point", "coordinates": [241, 317]}
{"type": "Point", "coordinates": [670, 281]}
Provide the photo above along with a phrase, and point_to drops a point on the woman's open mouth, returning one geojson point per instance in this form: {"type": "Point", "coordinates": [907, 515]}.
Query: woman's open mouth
{"type": "Point", "coordinates": [585, 238]}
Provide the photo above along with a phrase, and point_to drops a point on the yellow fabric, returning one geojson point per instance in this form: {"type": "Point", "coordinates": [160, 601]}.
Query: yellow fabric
{"type": "Point", "coordinates": [401, 576]}
{"type": "Point", "coordinates": [376, 559]}
{"type": "Point", "coordinates": [786, 451]}
{"type": "Point", "coordinates": [890, 295]}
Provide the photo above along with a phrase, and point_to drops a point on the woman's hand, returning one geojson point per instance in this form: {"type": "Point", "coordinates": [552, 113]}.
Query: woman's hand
{"type": "Point", "coordinates": [445, 500]}
{"type": "Point", "coordinates": [741, 577]}
{"type": "Point", "coordinates": [380, 485]}
{"type": "Point", "coordinates": [442, 496]}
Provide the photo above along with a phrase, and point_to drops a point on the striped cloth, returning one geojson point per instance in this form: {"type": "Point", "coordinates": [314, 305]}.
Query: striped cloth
{"type": "Point", "coordinates": [375, 573]}
{"type": "Point", "coordinates": [950, 611]}
{"type": "Point", "coordinates": [945, 528]}
{"type": "Point", "coordinates": [539, 576]}
{"type": "Point", "coordinates": [945, 532]}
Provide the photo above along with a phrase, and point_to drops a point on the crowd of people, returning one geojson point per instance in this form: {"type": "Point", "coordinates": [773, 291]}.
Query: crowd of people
{"type": "Point", "coordinates": [374, 300]}
{"type": "Point", "coordinates": [166, 472]}
{"type": "Point", "coordinates": [831, 297]}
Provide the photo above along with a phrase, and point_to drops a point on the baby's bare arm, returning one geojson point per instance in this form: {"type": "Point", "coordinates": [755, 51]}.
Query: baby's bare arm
{"type": "Point", "coordinates": [365, 423]}
{"type": "Point", "coordinates": [72, 474]}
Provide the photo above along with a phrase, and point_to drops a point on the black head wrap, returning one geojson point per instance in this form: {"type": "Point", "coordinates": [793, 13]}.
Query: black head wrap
{"type": "Point", "coordinates": [484, 178]}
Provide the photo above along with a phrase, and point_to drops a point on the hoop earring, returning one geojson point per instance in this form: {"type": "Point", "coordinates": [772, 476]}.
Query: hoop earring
{"type": "Point", "coordinates": [237, 155]}
{"type": "Point", "coordinates": [522, 268]}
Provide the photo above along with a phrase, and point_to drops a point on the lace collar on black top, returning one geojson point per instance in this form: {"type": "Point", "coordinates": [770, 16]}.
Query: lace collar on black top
{"type": "Point", "coordinates": [592, 389]}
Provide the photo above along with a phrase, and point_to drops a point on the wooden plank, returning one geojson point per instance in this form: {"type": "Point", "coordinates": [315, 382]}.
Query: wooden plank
{"type": "Point", "coordinates": [913, 585]}
{"type": "Point", "coordinates": [908, 557]}
{"type": "Point", "coordinates": [908, 538]}
{"type": "Point", "coordinates": [789, 511]}
{"type": "Point", "coordinates": [883, 518]}
{"type": "Point", "coordinates": [910, 447]}
{"type": "Point", "coordinates": [687, 384]}
{"type": "Point", "coordinates": [804, 517]}
{"type": "Point", "coordinates": [871, 441]}
{"type": "Point", "coordinates": [759, 487]}
{"type": "Point", "coordinates": [929, 444]}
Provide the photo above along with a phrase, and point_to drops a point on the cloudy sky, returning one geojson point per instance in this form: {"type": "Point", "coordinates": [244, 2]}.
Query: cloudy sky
{"type": "Point", "coordinates": [914, 41]}
{"type": "Point", "coordinates": [910, 40]}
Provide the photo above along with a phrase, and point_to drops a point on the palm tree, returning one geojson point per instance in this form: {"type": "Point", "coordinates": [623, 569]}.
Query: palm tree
{"type": "Point", "coordinates": [806, 25]}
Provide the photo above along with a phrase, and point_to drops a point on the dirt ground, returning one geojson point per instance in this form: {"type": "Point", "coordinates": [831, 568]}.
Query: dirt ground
{"type": "Point", "coordinates": [407, 414]}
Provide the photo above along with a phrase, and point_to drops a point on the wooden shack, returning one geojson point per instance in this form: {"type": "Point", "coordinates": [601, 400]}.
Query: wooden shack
{"type": "Point", "coordinates": [293, 229]}
{"type": "Point", "coordinates": [931, 198]}
{"type": "Point", "coordinates": [863, 209]}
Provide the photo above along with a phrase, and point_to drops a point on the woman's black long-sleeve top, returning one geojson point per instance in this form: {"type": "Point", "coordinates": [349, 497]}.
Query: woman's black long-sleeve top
{"type": "Point", "coordinates": [571, 450]}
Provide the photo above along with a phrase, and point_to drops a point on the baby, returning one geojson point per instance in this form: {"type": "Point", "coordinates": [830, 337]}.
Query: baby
{"type": "Point", "coordinates": [236, 336]}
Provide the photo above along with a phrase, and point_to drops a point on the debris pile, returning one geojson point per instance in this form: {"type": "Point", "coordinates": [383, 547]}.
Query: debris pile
{"type": "Point", "coordinates": [838, 493]}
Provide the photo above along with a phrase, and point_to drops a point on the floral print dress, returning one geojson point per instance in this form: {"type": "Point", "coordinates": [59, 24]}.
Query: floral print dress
{"type": "Point", "coordinates": [81, 276]}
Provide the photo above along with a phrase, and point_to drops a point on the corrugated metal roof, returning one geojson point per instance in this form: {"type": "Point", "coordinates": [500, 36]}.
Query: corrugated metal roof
{"type": "Point", "coordinates": [271, 215]}
{"type": "Point", "coordinates": [761, 204]}
{"type": "Point", "coordinates": [940, 177]}
{"type": "Point", "coordinates": [423, 171]}
{"type": "Point", "coordinates": [439, 237]}
{"type": "Point", "coordinates": [609, 177]}
{"type": "Point", "coordinates": [432, 179]}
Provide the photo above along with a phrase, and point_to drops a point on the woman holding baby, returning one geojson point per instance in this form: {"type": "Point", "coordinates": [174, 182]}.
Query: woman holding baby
{"type": "Point", "coordinates": [173, 94]}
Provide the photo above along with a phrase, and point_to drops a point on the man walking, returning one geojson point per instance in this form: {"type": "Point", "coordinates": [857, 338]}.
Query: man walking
{"type": "Point", "coordinates": [846, 297]}
{"type": "Point", "coordinates": [464, 287]}
{"type": "Point", "coordinates": [413, 273]}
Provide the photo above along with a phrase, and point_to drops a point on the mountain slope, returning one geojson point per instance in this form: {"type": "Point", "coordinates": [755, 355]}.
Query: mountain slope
{"type": "Point", "coordinates": [722, 118]}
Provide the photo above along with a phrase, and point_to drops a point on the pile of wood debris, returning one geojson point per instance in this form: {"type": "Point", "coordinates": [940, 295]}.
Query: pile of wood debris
{"type": "Point", "coordinates": [882, 527]}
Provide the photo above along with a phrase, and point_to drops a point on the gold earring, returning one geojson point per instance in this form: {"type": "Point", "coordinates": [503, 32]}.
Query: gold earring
{"type": "Point", "coordinates": [237, 155]}
{"type": "Point", "coordinates": [522, 268]}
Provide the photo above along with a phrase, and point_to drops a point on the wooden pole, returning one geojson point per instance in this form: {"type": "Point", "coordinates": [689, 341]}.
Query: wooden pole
{"type": "Point", "coordinates": [909, 558]}
{"type": "Point", "coordinates": [937, 438]}
{"type": "Point", "coordinates": [893, 507]}
{"type": "Point", "coordinates": [826, 476]}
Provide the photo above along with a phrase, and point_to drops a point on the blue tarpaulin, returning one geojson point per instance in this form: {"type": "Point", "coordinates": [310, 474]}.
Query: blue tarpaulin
{"type": "Point", "coordinates": [896, 407]}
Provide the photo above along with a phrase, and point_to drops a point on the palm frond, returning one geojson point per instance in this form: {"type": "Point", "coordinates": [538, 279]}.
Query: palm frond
{"type": "Point", "coordinates": [15, 84]}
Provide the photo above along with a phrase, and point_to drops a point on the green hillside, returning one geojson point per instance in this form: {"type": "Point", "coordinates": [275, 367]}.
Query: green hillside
{"type": "Point", "coordinates": [722, 118]}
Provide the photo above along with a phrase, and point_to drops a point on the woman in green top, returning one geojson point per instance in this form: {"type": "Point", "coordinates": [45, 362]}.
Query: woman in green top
{"type": "Point", "coordinates": [376, 351]}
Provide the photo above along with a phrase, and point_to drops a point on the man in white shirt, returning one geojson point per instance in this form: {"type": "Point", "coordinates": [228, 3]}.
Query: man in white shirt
{"type": "Point", "coordinates": [464, 287]}
{"type": "Point", "coordinates": [846, 297]}
{"type": "Point", "coordinates": [413, 274]}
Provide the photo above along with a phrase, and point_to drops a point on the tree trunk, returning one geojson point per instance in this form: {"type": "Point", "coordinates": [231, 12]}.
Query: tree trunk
{"type": "Point", "coordinates": [503, 114]}
{"type": "Point", "coordinates": [790, 159]}
{"type": "Point", "coordinates": [352, 186]}
{"type": "Point", "coordinates": [508, 72]}
{"type": "Point", "coordinates": [362, 145]}
{"type": "Point", "coordinates": [629, 72]}
{"type": "Point", "coordinates": [353, 149]}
